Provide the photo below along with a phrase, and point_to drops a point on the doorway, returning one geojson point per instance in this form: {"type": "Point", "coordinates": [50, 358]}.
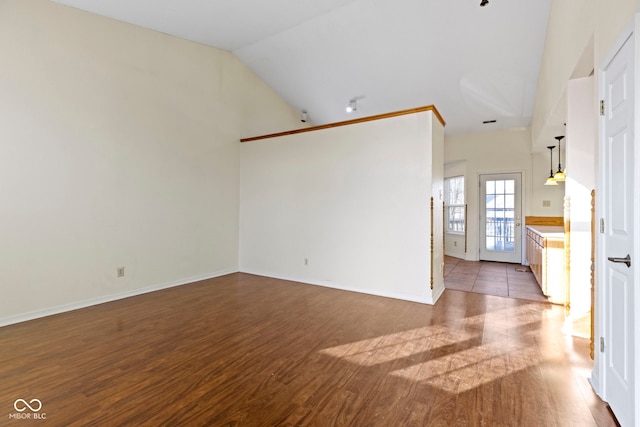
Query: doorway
{"type": "Point", "coordinates": [500, 217]}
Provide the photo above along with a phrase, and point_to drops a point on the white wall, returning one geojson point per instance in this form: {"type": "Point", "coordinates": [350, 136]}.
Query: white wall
{"type": "Point", "coordinates": [498, 152]}
{"type": "Point", "coordinates": [569, 31]}
{"type": "Point", "coordinates": [581, 179]}
{"type": "Point", "coordinates": [353, 201]}
{"type": "Point", "coordinates": [437, 192]}
{"type": "Point", "coordinates": [119, 148]}
{"type": "Point", "coordinates": [546, 200]}
{"type": "Point", "coordinates": [573, 26]}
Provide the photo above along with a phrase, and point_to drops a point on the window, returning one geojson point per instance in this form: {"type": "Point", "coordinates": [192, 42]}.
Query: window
{"type": "Point", "coordinates": [454, 202]}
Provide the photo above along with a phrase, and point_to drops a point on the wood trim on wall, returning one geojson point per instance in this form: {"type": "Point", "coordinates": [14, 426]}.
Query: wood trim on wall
{"type": "Point", "coordinates": [544, 220]}
{"type": "Point", "coordinates": [593, 259]}
{"type": "Point", "coordinates": [431, 245]}
{"type": "Point", "coordinates": [351, 122]}
{"type": "Point", "coordinates": [567, 255]}
{"type": "Point", "coordinates": [466, 215]}
{"type": "Point", "coordinates": [444, 227]}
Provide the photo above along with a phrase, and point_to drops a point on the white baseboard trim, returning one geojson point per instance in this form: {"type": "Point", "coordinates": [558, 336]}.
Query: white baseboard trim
{"type": "Point", "coordinates": [459, 255]}
{"type": "Point", "coordinates": [437, 295]}
{"type": "Point", "coordinates": [23, 317]}
{"type": "Point", "coordinates": [341, 287]}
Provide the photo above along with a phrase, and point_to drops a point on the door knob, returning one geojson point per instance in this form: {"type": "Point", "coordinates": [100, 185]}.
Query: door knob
{"type": "Point", "coordinates": [625, 260]}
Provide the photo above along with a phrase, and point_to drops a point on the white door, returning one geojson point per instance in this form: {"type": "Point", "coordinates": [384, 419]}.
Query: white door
{"type": "Point", "coordinates": [500, 213]}
{"type": "Point", "coordinates": [617, 233]}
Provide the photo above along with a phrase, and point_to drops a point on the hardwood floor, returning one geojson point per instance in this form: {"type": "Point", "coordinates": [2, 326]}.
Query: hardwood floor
{"type": "Point", "coordinates": [253, 351]}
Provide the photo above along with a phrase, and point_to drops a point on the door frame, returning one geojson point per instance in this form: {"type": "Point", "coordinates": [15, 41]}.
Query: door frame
{"type": "Point", "coordinates": [523, 185]}
{"type": "Point", "coordinates": [598, 377]}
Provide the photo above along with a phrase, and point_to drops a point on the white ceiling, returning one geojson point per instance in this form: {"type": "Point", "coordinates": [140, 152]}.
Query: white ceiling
{"type": "Point", "coordinates": [474, 63]}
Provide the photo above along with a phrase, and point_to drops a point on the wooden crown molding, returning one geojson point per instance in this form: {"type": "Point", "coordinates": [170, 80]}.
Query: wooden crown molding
{"type": "Point", "coordinates": [351, 122]}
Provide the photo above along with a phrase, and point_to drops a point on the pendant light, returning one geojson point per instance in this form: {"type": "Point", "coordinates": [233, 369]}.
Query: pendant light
{"type": "Point", "coordinates": [551, 180]}
{"type": "Point", "coordinates": [559, 176]}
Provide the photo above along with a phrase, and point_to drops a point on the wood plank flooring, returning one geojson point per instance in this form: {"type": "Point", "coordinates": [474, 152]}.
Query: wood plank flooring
{"type": "Point", "coordinates": [244, 350]}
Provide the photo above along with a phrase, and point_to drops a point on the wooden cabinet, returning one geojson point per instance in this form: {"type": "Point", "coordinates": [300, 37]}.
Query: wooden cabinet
{"type": "Point", "coordinates": [545, 254]}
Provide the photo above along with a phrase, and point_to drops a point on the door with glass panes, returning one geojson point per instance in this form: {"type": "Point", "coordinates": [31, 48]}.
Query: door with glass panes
{"type": "Point", "coordinates": [500, 217]}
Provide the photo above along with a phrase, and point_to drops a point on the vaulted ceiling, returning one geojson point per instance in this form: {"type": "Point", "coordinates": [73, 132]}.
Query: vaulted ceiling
{"type": "Point", "coordinates": [474, 63]}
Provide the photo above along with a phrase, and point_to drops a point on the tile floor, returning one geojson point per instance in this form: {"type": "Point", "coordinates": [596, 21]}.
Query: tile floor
{"type": "Point", "coordinates": [491, 278]}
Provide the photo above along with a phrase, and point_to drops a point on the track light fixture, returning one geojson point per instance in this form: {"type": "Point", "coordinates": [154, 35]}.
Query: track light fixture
{"type": "Point", "coordinates": [483, 3]}
{"type": "Point", "coordinates": [352, 105]}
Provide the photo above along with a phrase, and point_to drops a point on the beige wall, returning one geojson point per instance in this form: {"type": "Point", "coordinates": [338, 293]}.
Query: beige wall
{"type": "Point", "coordinates": [353, 201]}
{"type": "Point", "coordinates": [119, 148]}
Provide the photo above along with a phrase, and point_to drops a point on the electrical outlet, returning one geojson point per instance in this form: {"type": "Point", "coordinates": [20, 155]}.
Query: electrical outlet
{"type": "Point", "coordinates": [455, 243]}
{"type": "Point", "coordinates": [546, 203]}
{"type": "Point", "coordinates": [120, 271]}
{"type": "Point", "coordinates": [306, 261]}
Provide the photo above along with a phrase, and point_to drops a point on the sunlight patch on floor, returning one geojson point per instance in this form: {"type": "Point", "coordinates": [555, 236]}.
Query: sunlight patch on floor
{"type": "Point", "coordinates": [471, 368]}
{"type": "Point", "coordinates": [398, 345]}
{"type": "Point", "coordinates": [458, 357]}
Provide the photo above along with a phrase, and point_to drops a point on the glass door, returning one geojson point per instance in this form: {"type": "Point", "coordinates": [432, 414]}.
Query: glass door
{"type": "Point", "coordinates": [500, 217]}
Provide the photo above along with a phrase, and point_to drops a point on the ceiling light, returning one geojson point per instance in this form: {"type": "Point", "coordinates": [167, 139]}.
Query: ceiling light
{"type": "Point", "coordinates": [352, 106]}
{"type": "Point", "coordinates": [559, 175]}
{"type": "Point", "coordinates": [483, 3]}
{"type": "Point", "coordinates": [550, 180]}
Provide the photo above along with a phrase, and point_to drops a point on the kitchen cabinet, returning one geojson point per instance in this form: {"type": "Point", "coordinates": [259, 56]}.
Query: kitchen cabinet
{"type": "Point", "coordinates": [546, 258]}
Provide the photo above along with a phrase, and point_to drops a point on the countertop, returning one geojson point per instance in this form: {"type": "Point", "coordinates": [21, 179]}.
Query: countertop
{"type": "Point", "coordinates": [548, 231]}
